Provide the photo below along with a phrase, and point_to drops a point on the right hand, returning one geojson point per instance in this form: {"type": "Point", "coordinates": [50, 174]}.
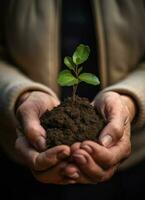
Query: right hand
{"type": "Point", "coordinates": [46, 165]}
{"type": "Point", "coordinates": [97, 162]}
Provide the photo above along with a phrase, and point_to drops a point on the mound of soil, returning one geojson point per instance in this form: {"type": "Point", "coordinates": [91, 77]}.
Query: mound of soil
{"type": "Point", "coordinates": [72, 121]}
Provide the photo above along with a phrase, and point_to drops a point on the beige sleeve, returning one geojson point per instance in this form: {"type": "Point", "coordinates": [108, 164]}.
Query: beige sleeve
{"type": "Point", "coordinates": [13, 84]}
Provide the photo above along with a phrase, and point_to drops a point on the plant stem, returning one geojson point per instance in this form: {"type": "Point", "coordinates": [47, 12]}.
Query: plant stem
{"type": "Point", "coordinates": [75, 86]}
{"type": "Point", "coordinates": [74, 92]}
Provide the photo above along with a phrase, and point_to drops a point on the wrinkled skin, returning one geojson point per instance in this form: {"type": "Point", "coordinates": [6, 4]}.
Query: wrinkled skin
{"type": "Point", "coordinates": [90, 162]}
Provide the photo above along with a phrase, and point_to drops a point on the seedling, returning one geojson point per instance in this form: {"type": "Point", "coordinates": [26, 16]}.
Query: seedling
{"type": "Point", "coordinates": [74, 75]}
{"type": "Point", "coordinates": [74, 120]}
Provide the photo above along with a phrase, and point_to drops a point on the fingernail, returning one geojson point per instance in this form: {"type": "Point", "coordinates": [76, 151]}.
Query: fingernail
{"type": "Point", "coordinates": [74, 175]}
{"type": "Point", "coordinates": [106, 140]}
{"type": "Point", "coordinates": [80, 159]}
{"type": "Point", "coordinates": [87, 148]}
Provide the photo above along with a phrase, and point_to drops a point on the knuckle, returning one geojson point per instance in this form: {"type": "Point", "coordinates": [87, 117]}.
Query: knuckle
{"type": "Point", "coordinates": [31, 129]}
{"type": "Point", "coordinates": [31, 132]}
{"type": "Point", "coordinates": [117, 131]}
{"type": "Point", "coordinates": [116, 128]}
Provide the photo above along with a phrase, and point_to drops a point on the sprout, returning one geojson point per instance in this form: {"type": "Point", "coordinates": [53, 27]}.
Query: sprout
{"type": "Point", "coordinates": [73, 75]}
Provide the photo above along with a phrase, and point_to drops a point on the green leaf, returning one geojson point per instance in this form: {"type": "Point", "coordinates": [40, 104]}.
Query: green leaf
{"type": "Point", "coordinates": [81, 54]}
{"type": "Point", "coordinates": [65, 78]}
{"type": "Point", "coordinates": [89, 78]}
{"type": "Point", "coordinates": [68, 61]}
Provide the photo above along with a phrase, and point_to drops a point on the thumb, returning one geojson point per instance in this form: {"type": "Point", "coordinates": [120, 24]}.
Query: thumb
{"type": "Point", "coordinates": [31, 128]}
{"type": "Point", "coordinates": [113, 131]}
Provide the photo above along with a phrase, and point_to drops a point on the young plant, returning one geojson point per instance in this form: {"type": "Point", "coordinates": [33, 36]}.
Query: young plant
{"type": "Point", "coordinates": [73, 75]}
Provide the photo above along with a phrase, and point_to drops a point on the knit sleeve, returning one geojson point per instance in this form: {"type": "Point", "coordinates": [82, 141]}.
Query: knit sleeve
{"type": "Point", "coordinates": [12, 84]}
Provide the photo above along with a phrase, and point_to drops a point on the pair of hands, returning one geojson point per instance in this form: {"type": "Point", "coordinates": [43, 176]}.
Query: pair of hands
{"type": "Point", "coordinates": [86, 162]}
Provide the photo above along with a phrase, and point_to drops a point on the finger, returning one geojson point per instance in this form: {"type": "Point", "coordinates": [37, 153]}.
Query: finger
{"type": "Point", "coordinates": [53, 175]}
{"type": "Point", "coordinates": [31, 127]}
{"type": "Point", "coordinates": [100, 154]}
{"type": "Point", "coordinates": [26, 154]}
{"type": "Point", "coordinates": [87, 165]}
{"type": "Point", "coordinates": [90, 172]}
{"type": "Point", "coordinates": [112, 108]}
{"type": "Point", "coordinates": [51, 157]}
{"type": "Point", "coordinates": [72, 171]}
{"type": "Point", "coordinates": [113, 131]}
{"type": "Point", "coordinates": [75, 146]}
{"type": "Point", "coordinates": [40, 161]}
{"type": "Point", "coordinates": [105, 157]}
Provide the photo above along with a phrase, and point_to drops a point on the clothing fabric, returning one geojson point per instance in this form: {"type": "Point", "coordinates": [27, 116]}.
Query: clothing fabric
{"type": "Point", "coordinates": [30, 58]}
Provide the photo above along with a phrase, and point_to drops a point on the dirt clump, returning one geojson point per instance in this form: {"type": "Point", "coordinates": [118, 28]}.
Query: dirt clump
{"type": "Point", "coordinates": [72, 121]}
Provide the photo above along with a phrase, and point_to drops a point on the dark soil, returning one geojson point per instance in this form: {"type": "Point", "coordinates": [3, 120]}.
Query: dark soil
{"type": "Point", "coordinates": [71, 122]}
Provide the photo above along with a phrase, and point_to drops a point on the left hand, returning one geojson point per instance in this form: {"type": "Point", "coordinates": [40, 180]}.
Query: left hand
{"type": "Point", "coordinates": [97, 162]}
{"type": "Point", "coordinates": [30, 145]}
